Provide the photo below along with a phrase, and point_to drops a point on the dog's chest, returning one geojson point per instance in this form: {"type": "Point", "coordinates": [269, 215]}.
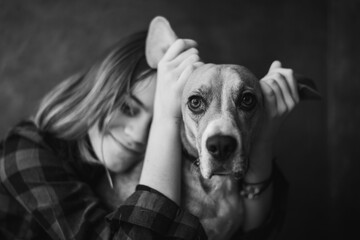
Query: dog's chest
{"type": "Point", "coordinates": [217, 203]}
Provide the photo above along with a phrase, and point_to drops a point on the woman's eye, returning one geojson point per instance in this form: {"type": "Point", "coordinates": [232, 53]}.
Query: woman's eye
{"type": "Point", "coordinates": [127, 109]}
{"type": "Point", "coordinates": [248, 101]}
{"type": "Point", "coordinates": [196, 104]}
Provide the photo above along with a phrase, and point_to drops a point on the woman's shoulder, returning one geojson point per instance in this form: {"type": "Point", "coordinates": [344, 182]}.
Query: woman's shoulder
{"type": "Point", "coordinates": [24, 145]}
{"type": "Point", "coordinates": [27, 148]}
{"type": "Point", "coordinates": [24, 135]}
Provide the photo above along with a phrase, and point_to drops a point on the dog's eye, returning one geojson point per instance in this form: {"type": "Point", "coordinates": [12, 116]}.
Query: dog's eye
{"type": "Point", "coordinates": [248, 101]}
{"type": "Point", "coordinates": [196, 104]}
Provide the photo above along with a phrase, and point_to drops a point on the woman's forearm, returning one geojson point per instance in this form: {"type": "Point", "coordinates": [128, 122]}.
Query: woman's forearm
{"type": "Point", "coordinates": [162, 164]}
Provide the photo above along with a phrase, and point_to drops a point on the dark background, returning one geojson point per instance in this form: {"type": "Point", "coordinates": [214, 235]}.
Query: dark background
{"type": "Point", "coordinates": [42, 42]}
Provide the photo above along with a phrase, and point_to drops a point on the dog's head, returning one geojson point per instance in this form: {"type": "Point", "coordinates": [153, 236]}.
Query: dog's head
{"type": "Point", "coordinates": [222, 107]}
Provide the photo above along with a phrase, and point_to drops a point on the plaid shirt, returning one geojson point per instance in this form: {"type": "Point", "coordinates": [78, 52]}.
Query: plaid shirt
{"type": "Point", "coordinates": [45, 193]}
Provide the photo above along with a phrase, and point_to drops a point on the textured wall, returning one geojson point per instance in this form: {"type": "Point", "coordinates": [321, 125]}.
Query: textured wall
{"type": "Point", "coordinates": [42, 42]}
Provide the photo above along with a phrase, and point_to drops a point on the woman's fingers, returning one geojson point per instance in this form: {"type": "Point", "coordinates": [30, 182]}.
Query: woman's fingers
{"type": "Point", "coordinates": [185, 75]}
{"type": "Point", "coordinates": [187, 71]}
{"type": "Point", "coordinates": [270, 98]}
{"type": "Point", "coordinates": [282, 88]}
{"type": "Point", "coordinates": [185, 60]}
{"type": "Point", "coordinates": [282, 83]}
{"type": "Point", "coordinates": [290, 81]}
{"type": "Point", "coordinates": [274, 65]}
{"type": "Point", "coordinates": [179, 46]}
{"type": "Point", "coordinates": [276, 104]}
{"type": "Point", "coordinates": [186, 67]}
{"type": "Point", "coordinates": [190, 56]}
{"type": "Point", "coordinates": [180, 54]}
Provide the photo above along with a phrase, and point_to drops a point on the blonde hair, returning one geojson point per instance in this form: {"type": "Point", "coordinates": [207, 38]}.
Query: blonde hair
{"type": "Point", "coordinates": [70, 109]}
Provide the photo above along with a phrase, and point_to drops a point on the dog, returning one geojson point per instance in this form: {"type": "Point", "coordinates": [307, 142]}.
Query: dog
{"type": "Point", "coordinates": [222, 107]}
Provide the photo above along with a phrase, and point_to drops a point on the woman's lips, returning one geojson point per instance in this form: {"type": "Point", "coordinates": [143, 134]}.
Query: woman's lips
{"type": "Point", "coordinates": [135, 151]}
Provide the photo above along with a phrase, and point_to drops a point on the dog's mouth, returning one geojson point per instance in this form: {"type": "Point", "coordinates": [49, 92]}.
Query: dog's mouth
{"type": "Point", "coordinates": [238, 170]}
{"type": "Point", "coordinates": [208, 168]}
{"type": "Point", "coordinates": [223, 172]}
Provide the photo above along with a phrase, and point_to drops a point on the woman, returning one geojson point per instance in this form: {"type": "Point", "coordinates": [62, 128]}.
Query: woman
{"type": "Point", "coordinates": [108, 119]}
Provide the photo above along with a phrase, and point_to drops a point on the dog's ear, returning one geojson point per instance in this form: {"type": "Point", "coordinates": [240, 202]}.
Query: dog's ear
{"type": "Point", "coordinates": [307, 88]}
{"type": "Point", "coordinates": [159, 38]}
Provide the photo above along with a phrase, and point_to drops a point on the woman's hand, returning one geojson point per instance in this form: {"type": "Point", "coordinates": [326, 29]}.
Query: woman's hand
{"type": "Point", "coordinates": [173, 70]}
{"type": "Point", "coordinates": [280, 97]}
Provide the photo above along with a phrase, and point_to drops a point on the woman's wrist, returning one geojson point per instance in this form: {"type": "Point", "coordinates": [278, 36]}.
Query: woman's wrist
{"type": "Point", "coordinates": [168, 121]}
{"type": "Point", "coordinates": [254, 190]}
{"type": "Point", "coordinates": [254, 176]}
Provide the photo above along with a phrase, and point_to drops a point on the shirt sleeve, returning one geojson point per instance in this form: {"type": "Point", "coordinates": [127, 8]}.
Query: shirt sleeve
{"type": "Point", "coordinates": [148, 214]}
{"type": "Point", "coordinates": [50, 191]}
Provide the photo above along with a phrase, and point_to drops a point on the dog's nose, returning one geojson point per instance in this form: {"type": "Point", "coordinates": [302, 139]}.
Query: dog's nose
{"type": "Point", "coordinates": [220, 146]}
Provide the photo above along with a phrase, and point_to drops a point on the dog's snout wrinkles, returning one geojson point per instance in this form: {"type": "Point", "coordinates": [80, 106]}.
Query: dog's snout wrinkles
{"type": "Point", "coordinates": [221, 147]}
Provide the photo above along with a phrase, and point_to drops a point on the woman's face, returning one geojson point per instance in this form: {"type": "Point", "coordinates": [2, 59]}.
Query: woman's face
{"type": "Point", "coordinates": [123, 144]}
